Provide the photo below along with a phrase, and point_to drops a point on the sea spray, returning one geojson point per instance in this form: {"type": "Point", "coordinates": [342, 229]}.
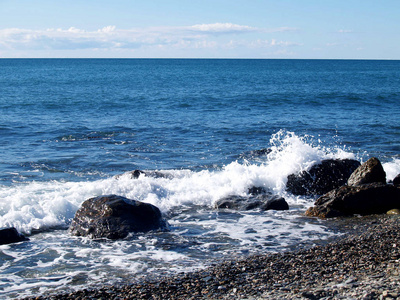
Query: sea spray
{"type": "Point", "coordinates": [45, 205]}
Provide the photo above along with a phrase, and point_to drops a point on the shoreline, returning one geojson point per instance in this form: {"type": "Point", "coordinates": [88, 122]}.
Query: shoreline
{"type": "Point", "coordinates": [364, 264]}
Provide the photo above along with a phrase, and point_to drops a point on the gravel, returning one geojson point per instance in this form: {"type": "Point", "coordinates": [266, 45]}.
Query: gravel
{"type": "Point", "coordinates": [365, 264]}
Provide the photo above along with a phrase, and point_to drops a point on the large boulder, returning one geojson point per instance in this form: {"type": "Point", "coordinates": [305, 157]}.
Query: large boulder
{"type": "Point", "coordinates": [11, 235]}
{"type": "Point", "coordinates": [321, 178]}
{"type": "Point", "coordinates": [372, 198]}
{"type": "Point", "coordinates": [115, 217]}
{"type": "Point", "coordinates": [369, 172]}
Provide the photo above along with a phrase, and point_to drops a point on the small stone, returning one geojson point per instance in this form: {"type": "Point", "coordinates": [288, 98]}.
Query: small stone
{"type": "Point", "coordinates": [308, 295]}
{"type": "Point", "coordinates": [394, 211]}
{"type": "Point", "coordinates": [350, 280]}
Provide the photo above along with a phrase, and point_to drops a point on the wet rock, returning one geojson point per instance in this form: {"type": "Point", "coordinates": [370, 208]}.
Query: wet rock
{"type": "Point", "coordinates": [396, 180]}
{"type": "Point", "coordinates": [264, 201]}
{"type": "Point", "coordinates": [257, 190]}
{"type": "Point", "coordinates": [275, 203]}
{"type": "Point", "coordinates": [137, 173]}
{"type": "Point", "coordinates": [322, 178]}
{"type": "Point", "coordinates": [369, 172]}
{"type": "Point", "coordinates": [373, 198]}
{"type": "Point", "coordinates": [115, 217]}
{"type": "Point", "coordinates": [11, 235]}
{"type": "Point", "coordinates": [256, 153]}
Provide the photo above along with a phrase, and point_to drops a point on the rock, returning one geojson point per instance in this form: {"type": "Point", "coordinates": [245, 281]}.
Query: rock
{"type": "Point", "coordinates": [256, 153]}
{"type": "Point", "coordinates": [264, 201]}
{"type": "Point", "coordinates": [369, 172]}
{"type": "Point", "coordinates": [237, 203]}
{"type": "Point", "coordinates": [373, 198]}
{"type": "Point", "coordinates": [11, 235]}
{"type": "Point", "coordinates": [275, 203]}
{"type": "Point", "coordinates": [396, 180]}
{"type": "Point", "coordinates": [136, 174]}
{"type": "Point", "coordinates": [115, 217]}
{"type": "Point", "coordinates": [257, 190]}
{"type": "Point", "coordinates": [322, 178]}
{"type": "Point", "coordinates": [394, 211]}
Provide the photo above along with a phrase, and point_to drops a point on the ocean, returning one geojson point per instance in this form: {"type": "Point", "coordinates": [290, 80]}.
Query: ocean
{"type": "Point", "coordinates": [69, 126]}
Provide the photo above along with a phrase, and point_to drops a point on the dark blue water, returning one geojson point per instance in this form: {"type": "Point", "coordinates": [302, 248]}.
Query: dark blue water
{"type": "Point", "coordinates": [96, 117]}
{"type": "Point", "coordinates": [67, 126]}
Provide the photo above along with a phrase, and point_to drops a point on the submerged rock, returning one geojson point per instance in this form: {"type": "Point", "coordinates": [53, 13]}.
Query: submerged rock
{"type": "Point", "coordinates": [369, 172]}
{"type": "Point", "coordinates": [321, 178]}
{"type": "Point", "coordinates": [137, 173]}
{"type": "Point", "coordinates": [11, 235]}
{"type": "Point", "coordinates": [115, 217]}
{"type": "Point", "coordinates": [365, 199]}
{"type": "Point", "coordinates": [258, 199]}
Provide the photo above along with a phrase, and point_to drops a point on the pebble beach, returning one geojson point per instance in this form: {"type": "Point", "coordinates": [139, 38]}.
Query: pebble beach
{"type": "Point", "coordinates": [362, 264]}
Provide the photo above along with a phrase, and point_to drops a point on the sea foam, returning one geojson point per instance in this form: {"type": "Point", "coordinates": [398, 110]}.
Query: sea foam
{"type": "Point", "coordinates": [43, 205]}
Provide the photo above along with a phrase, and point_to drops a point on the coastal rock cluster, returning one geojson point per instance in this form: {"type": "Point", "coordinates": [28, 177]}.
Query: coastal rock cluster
{"type": "Point", "coordinates": [366, 193]}
{"type": "Point", "coordinates": [345, 188]}
{"type": "Point", "coordinates": [322, 178]}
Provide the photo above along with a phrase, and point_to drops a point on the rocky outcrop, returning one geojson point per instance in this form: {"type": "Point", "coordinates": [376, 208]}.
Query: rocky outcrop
{"type": "Point", "coordinates": [115, 217]}
{"type": "Point", "coordinates": [372, 198]}
{"type": "Point", "coordinates": [11, 235]}
{"type": "Point", "coordinates": [369, 172]}
{"type": "Point", "coordinates": [322, 178]}
{"type": "Point", "coordinates": [258, 198]}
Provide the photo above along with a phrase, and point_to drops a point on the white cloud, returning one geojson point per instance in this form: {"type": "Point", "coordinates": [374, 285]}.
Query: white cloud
{"type": "Point", "coordinates": [107, 29]}
{"type": "Point", "coordinates": [259, 43]}
{"type": "Point", "coordinates": [111, 38]}
{"type": "Point", "coordinates": [222, 28]}
{"type": "Point", "coordinates": [345, 31]}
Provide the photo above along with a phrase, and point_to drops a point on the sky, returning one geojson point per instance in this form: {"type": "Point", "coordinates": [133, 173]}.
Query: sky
{"type": "Point", "coordinates": [289, 29]}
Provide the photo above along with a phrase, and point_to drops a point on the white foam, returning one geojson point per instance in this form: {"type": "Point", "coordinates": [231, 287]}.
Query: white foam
{"type": "Point", "coordinates": [392, 168]}
{"type": "Point", "coordinates": [42, 205]}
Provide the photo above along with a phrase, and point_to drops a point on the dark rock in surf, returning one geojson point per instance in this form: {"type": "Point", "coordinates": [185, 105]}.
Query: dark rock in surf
{"type": "Point", "coordinates": [275, 203]}
{"type": "Point", "coordinates": [236, 202]}
{"type": "Point", "coordinates": [137, 173]}
{"type": "Point", "coordinates": [369, 172]}
{"type": "Point", "coordinates": [321, 178]}
{"type": "Point", "coordinates": [257, 190]}
{"type": "Point", "coordinates": [365, 199]}
{"type": "Point", "coordinates": [115, 217]}
{"type": "Point", "coordinates": [11, 235]}
{"type": "Point", "coordinates": [396, 180]}
{"type": "Point", "coordinates": [263, 201]}
{"type": "Point", "coordinates": [260, 152]}
{"type": "Point", "coordinates": [255, 153]}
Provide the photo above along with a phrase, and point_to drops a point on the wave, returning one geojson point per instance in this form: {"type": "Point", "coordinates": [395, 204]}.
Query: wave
{"type": "Point", "coordinates": [44, 205]}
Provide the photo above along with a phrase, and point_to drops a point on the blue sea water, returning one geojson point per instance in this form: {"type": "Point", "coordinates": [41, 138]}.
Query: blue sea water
{"type": "Point", "coordinates": [68, 126]}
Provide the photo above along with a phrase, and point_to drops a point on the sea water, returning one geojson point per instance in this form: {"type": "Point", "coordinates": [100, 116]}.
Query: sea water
{"type": "Point", "coordinates": [69, 126]}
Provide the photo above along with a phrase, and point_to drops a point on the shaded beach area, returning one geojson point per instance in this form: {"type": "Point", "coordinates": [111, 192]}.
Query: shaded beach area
{"type": "Point", "coordinates": [363, 264]}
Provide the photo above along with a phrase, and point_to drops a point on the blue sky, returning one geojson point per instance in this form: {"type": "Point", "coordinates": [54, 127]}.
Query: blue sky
{"type": "Point", "coordinates": [201, 29]}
